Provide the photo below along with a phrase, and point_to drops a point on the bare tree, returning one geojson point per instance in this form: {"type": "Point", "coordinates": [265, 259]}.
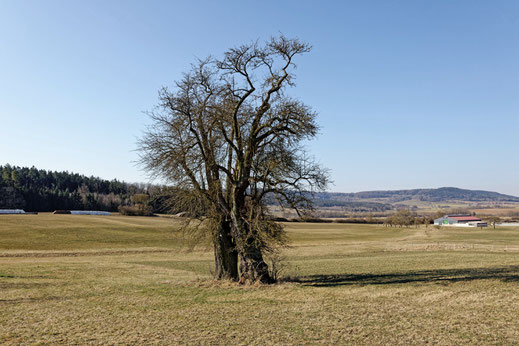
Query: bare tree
{"type": "Point", "coordinates": [493, 220]}
{"type": "Point", "coordinates": [427, 220]}
{"type": "Point", "coordinates": [229, 138]}
{"type": "Point", "coordinates": [403, 217]}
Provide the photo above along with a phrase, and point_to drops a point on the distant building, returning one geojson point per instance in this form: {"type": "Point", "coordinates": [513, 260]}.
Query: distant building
{"type": "Point", "coordinates": [81, 212]}
{"type": "Point", "coordinates": [460, 220]}
{"type": "Point", "coordinates": [89, 212]}
{"type": "Point", "coordinates": [12, 211]}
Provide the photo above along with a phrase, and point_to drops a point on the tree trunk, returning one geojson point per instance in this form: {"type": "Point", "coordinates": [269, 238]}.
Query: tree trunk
{"type": "Point", "coordinates": [225, 254]}
{"type": "Point", "coordinates": [253, 267]}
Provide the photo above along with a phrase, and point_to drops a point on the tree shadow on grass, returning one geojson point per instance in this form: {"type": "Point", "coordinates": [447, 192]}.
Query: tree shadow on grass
{"type": "Point", "coordinates": [439, 276]}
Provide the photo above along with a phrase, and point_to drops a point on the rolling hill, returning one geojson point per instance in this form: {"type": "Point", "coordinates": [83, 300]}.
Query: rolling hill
{"type": "Point", "coordinates": [386, 199]}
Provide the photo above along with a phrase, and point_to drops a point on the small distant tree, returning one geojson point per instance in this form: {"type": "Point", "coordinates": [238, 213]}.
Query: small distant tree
{"type": "Point", "coordinates": [404, 217]}
{"type": "Point", "coordinates": [141, 206]}
{"type": "Point", "coordinates": [439, 213]}
{"type": "Point", "coordinates": [388, 222]}
{"type": "Point", "coordinates": [141, 200]}
{"type": "Point", "coordinates": [493, 220]}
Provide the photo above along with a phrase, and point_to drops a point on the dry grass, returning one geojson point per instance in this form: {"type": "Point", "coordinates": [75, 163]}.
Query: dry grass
{"type": "Point", "coordinates": [502, 212]}
{"type": "Point", "coordinates": [128, 280]}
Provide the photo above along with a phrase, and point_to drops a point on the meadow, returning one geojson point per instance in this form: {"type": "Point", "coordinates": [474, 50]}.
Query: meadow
{"type": "Point", "coordinates": [115, 279]}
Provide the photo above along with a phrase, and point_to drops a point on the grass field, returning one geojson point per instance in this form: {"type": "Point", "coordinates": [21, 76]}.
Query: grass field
{"type": "Point", "coordinates": [93, 279]}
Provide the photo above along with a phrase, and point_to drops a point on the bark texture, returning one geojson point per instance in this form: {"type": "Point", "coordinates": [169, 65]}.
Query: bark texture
{"type": "Point", "coordinates": [225, 254]}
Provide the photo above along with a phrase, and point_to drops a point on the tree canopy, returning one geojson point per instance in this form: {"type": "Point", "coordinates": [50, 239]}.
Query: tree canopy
{"type": "Point", "coordinates": [228, 136]}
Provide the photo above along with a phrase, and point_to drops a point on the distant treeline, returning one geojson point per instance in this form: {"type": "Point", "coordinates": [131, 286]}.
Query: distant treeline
{"type": "Point", "coordinates": [353, 206]}
{"type": "Point", "coordinates": [35, 189]}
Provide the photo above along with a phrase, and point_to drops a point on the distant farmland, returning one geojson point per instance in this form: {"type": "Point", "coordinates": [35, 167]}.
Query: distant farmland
{"type": "Point", "coordinates": [91, 279]}
{"type": "Point", "coordinates": [420, 201]}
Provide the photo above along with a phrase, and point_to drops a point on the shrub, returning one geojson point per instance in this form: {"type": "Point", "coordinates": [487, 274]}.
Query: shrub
{"type": "Point", "coordinates": [136, 210]}
{"type": "Point", "coordinates": [280, 219]}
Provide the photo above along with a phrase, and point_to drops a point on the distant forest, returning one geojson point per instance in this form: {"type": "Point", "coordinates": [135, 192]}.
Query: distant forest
{"type": "Point", "coordinates": [35, 189]}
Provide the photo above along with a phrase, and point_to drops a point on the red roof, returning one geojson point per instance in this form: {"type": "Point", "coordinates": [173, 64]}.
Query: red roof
{"type": "Point", "coordinates": [465, 218]}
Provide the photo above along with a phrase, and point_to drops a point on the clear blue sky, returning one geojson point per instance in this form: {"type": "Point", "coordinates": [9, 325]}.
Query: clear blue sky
{"type": "Point", "coordinates": [410, 93]}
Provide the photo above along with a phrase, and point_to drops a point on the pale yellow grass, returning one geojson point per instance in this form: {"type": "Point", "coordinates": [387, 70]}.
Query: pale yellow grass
{"type": "Point", "coordinates": [355, 284]}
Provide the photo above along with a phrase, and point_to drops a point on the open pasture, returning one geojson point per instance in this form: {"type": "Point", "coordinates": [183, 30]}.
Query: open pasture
{"type": "Point", "coordinates": [114, 279]}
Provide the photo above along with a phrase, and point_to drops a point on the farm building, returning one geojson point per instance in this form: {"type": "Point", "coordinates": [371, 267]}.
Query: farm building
{"type": "Point", "coordinates": [12, 211]}
{"type": "Point", "coordinates": [81, 212]}
{"type": "Point", "coordinates": [89, 212]}
{"type": "Point", "coordinates": [460, 220]}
